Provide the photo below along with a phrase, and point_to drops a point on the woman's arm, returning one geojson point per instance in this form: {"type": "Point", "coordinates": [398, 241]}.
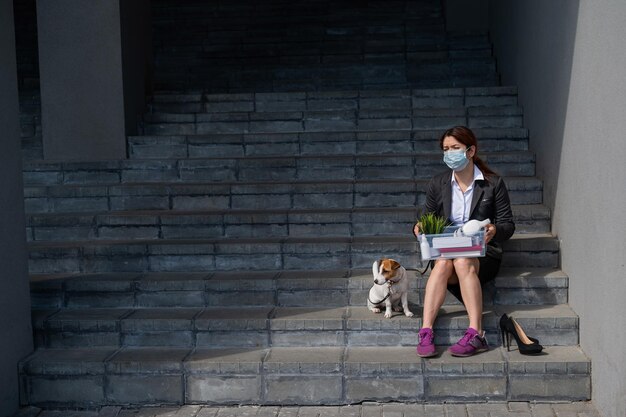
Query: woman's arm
{"type": "Point", "coordinates": [431, 205]}
{"type": "Point", "coordinates": [504, 216]}
{"type": "Point", "coordinates": [433, 192]}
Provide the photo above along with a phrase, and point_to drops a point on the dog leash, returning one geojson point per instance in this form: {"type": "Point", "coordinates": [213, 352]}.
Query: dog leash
{"type": "Point", "coordinates": [381, 301]}
{"type": "Point", "coordinates": [390, 283]}
{"type": "Point", "coordinates": [428, 265]}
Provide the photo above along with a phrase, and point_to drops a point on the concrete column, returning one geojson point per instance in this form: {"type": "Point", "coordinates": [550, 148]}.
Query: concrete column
{"type": "Point", "coordinates": [90, 54]}
{"type": "Point", "coordinates": [15, 324]}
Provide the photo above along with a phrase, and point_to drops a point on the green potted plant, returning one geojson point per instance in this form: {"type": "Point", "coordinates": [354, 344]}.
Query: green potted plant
{"type": "Point", "coordinates": [430, 224]}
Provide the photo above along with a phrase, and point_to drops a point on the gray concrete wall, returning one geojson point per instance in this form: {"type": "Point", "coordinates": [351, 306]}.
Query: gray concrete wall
{"type": "Point", "coordinates": [136, 59]}
{"type": "Point", "coordinates": [82, 97]}
{"type": "Point", "coordinates": [568, 59]}
{"type": "Point", "coordinates": [15, 327]}
{"type": "Point", "coordinates": [534, 47]}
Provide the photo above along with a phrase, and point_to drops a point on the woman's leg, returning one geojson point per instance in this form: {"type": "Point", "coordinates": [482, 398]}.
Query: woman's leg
{"type": "Point", "coordinates": [467, 272]}
{"type": "Point", "coordinates": [436, 288]}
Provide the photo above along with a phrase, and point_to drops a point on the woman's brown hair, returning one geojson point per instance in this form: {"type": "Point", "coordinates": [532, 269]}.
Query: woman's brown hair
{"type": "Point", "coordinates": [466, 137]}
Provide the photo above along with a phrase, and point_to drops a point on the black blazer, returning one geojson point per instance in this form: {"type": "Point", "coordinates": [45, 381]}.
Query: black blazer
{"type": "Point", "coordinates": [490, 200]}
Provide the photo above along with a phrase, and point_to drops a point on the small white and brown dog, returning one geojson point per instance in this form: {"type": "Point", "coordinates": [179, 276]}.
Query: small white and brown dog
{"type": "Point", "coordinates": [391, 288]}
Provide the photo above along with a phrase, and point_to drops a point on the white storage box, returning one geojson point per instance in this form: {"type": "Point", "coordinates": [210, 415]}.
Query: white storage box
{"type": "Point", "coordinates": [450, 245]}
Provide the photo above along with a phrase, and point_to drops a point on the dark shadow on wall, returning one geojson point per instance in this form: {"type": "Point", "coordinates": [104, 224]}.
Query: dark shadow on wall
{"type": "Point", "coordinates": [534, 46]}
{"type": "Point", "coordinates": [15, 328]}
{"type": "Point", "coordinates": [137, 59]}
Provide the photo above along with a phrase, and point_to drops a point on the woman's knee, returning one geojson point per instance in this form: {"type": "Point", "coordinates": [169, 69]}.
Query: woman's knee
{"type": "Point", "coordinates": [442, 269]}
{"type": "Point", "coordinates": [466, 267]}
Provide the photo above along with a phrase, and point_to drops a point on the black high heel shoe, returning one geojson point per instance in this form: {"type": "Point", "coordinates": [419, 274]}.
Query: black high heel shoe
{"type": "Point", "coordinates": [526, 345]}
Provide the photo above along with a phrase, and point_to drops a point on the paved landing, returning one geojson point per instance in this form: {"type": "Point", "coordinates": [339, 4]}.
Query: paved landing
{"type": "Point", "coordinates": [492, 409]}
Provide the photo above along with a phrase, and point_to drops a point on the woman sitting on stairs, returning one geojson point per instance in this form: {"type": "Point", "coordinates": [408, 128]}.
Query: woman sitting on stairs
{"type": "Point", "coordinates": [470, 190]}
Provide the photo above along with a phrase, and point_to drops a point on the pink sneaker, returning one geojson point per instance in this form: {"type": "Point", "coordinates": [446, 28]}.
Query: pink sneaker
{"type": "Point", "coordinates": [426, 346]}
{"type": "Point", "coordinates": [470, 344]}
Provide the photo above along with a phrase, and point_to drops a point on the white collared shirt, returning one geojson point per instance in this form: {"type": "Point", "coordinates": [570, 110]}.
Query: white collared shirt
{"type": "Point", "coordinates": [462, 201]}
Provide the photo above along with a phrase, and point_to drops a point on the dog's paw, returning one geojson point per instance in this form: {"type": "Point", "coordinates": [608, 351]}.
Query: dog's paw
{"type": "Point", "coordinates": [408, 314]}
{"type": "Point", "coordinates": [397, 308]}
{"type": "Point", "coordinates": [387, 314]}
{"type": "Point", "coordinates": [376, 310]}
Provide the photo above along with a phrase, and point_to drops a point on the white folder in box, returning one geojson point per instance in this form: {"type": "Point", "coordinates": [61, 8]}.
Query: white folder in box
{"type": "Point", "coordinates": [452, 242]}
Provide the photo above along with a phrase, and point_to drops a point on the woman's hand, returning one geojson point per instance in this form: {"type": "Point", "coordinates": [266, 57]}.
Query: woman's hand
{"type": "Point", "coordinates": [490, 232]}
{"type": "Point", "coordinates": [416, 229]}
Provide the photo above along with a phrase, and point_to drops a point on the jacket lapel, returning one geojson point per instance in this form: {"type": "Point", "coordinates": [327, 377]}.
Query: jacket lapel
{"type": "Point", "coordinates": [447, 198]}
{"type": "Point", "coordinates": [477, 195]}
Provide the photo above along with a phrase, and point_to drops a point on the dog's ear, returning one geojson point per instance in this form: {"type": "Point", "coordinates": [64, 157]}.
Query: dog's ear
{"type": "Point", "coordinates": [376, 267]}
{"type": "Point", "coordinates": [388, 265]}
{"type": "Point", "coordinates": [394, 264]}
{"type": "Point", "coordinates": [381, 265]}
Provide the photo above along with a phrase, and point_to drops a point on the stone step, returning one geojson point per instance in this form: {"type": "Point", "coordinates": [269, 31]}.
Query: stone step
{"type": "Point", "coordinates": [333, 14]}
{"type": "Point", "coordinates": [346, 106]}
{"type": "Point", "coordinates": [265, 168]}
{"type": "Point", "coordinates": [303, 28]}
{"type": "Point", "coordinates": [245, 16]}
{"type": "Point", "coordinates": [305, 23]}
{"type": "Point", "coordinates": [339, 68]}
{"type": "Point", "coordinates": [196, 112]}
{"type": "Point", "coordinates": [375, 78]}
{"type": "Point", "coordinates": [329, 121]}
{"type": "Point", "coordinates": [229, 145]}
{"type": "Point", "coordinates": [280, 50]}
{"type": "Point", "coordinates": [316, 61]}
{"type": "Point", "coordinates": [257, 254]}
{"type": "Point", "coordinates": [521, 285]}
{"type": "Point", "coordinates": [313, 40]}
{"type": "Point", "coordinates": [248, 195]}
{"type": "Point", "coordinates": [299, 288]}
{"type": "Point", "coordinates": [254, 327]}
{"type": "Point", "coordinates": [424, 48]}
{"type": "Point", "coordinates": [337, 100]}
{"type": "Point", "coordinates": [328, 375]}
{"type": "Point", "coordinates": [342, 120]}
{"type": "Point", "coordinates": [237, 84]}
{"type": "Point", "coordinates": [473, 97]}
{"type": "Point", "coordinates": [252, 16]}
{"type": "Point", "coordinates": [175, 224]}
{"type": "Point", "coordinates": [347, 58]}
{"type": "Point", "coordinates": [322, 40]}
{"type": "Point", "coordinates": [267, 68]}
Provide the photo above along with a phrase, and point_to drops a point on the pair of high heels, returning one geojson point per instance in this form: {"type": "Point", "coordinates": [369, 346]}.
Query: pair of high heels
{"type": "Point", "coordinates": [526, 345]}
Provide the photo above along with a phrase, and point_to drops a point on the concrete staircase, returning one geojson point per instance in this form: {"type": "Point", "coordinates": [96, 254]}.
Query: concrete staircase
{"type": "Point", "coordinates": [301, 45]}
{"type": "Point", "coordinates": [228, 259]}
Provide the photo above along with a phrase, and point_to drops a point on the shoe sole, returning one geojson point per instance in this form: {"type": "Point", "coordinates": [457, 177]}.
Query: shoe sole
{"type": "Point", "coordinates": [463, 355]}
{"type": "Point", "coordinates": [429, 355]}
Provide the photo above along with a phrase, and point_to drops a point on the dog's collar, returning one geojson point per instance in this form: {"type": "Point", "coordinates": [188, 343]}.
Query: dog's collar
{"type": "Point", "coordinates": [391, 281]}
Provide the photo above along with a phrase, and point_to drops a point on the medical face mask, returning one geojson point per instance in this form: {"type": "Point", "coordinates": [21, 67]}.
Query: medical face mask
{"type": "Point", "coordinates": [456, 160]}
